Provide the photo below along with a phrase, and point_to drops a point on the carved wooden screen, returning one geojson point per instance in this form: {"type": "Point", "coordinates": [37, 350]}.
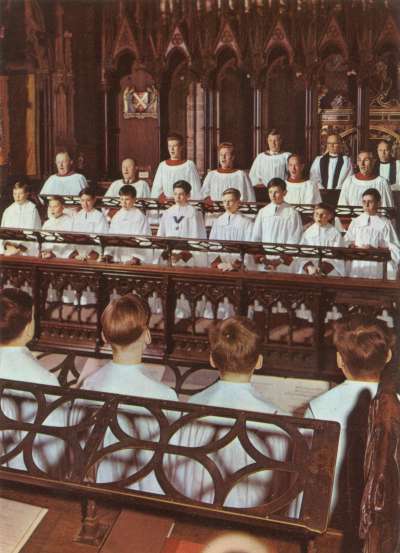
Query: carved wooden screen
{"type": "Point", "coordinates": [234, 119]}
{"type": "Point", "coordinates": [283, 105]}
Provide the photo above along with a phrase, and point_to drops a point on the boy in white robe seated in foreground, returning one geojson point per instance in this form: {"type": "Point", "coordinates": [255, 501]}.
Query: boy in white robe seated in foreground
{"type": "Point", "coordinates": [22, 214]}
{"type": "Point", "coordinates": [277, 223]}
{"type": "Point", "coordinates": [218, 180]}
{"type": "Point", "coordinates": [174, 169]}
{"type": "Point", "coordinates": [17, 328]}
{"type": "Point", "coordinates": [125, 327]}
{"type": "Point", "coordinates": [355, 185]}
{"type": "Point", "coordinates": [235, 350]}
{"type": "Point", "coordinates": [322, 233]}
{"type": "Point", "coordinates": [363, 349]}
{"type": "Point", "coordinates": [128, 170]}
{"type": "Point", "coordinates": [299, 190]}
{"type": "Point", "coordinates": [370, 230]}
{"type": "Point", "coordinates": [232, 225]}
{"type": "Point", "coordinates": [57, 221]}
{"type": "Point", "coordinates": [183, 221]}
{"type": "Point", "coordinates": [129, 220]}
{"type": "Point", "coordinates": [88, 221]}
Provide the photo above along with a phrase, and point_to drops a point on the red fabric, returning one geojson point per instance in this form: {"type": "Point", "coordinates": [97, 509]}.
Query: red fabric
{"type": "Point", "coordinates": [231, 170]}
{"type": "Point", "coordinates": [175, 161]}
{"type": "Point", "coordinates": [360, 176]}
{"type": "Point", "coordinates": [295, 180]}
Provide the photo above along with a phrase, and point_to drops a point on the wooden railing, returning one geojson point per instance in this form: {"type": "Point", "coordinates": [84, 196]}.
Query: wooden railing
{"type": "Point", "coordinates": [94, 431]}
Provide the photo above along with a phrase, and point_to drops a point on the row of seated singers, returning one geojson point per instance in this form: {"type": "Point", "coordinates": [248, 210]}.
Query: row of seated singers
{"type": "Point", "coordinates": [277, 222]}
{"type": "Point", "coordinates": [330, 171]}
{"type": "Point", "coordinates": [364, 347]}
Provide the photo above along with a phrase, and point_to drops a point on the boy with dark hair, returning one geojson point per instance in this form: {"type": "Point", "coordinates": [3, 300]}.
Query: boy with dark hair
{"type": "Point", "coordinates": [235, 350]}
{"type": "Point", "coordinates": [370, 230]}
{"type": "Point", "coordinates": [57, 221]}
{"type": "Point", "coordinates": [278, 223]}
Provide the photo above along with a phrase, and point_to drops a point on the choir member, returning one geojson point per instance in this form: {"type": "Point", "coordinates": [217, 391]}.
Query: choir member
{"type": "Point", "coordinates": [17, 328]}
{"type": "Point", "coordinates": [354, 186]}
{"type": "Point", "coordinates": [299, 190]}
{"type": "Point", "coordinates": [125, 327]}
{"type": "Point", "coordinates": [331, 169]}
{"type": "Point", "coordinates": [131, 221]}
{"type": "Point", "coordinates": [370, 230]}
{"type": "Point", "coordinates": [322, 233]}
{"type": "Point", "coordinates": [232, 225]}
{"type": "Point", "coordinates": [270, 164]}
{"type": "Point", "coordinates": [218, 180]}
{"type": "Point", "coordinates": [235, 350]}
{"type": "Point", "coordinates": [363, 350]}
{"type": "Point", "coordinates": [65, 182]}
{"type": "Point", "coordinates": [57, 221]}
{"type": "Point", "coordinates": [128, 170]}
{"type": "Point", "coordinates": [277, 223]}
{"type": "Point", "coordinates": [182, 220]}
{"type": "Point", "coordinates": [388, 167]}
{"type": "Point", "coordinates": [174, 169]}
{"type": "Point", "coordinates": [21, 214]}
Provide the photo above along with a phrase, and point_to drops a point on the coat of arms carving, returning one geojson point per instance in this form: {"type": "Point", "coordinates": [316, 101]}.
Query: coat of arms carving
{"type": "Point", "coordinates": [140, 105]}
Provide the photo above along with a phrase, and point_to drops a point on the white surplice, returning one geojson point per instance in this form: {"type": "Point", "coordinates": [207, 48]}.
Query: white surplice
{"type": "Point", "coordinates": [231, 226]}
{"type": "Point", "coordinates": [68, 185]}
{"type": "Point", "coordinates": [141, 186]}
{"type": "Point", "coordinates": [89, 222]}
{"type": "Point", "coordinates": [376, 232]}
{"type": "Point", "coordinates": [384, 171]}
{"type": "Point", "coordinates": [306, 192]}
{"type": "Point", "coordinates": [328, 235]}
{"type": "Point", "coordinates": [137, 422]}
{"type": "Point", "coordinates": [167, 175]}
{"type": "Point", "coordinates": [22, 216]}
{"type": "Point", "coordinates": [63, 223]}
{"type": "Point", "coordinates": [217, 181]}
{"type": "Point", "coordinates": [132, 222]}
{"type": "Point", "coordinates": [267, 166]}
{"type": "Point", "coordinates": [345, 171]}
{"type": "Point", "coordinates": [193, 480]}
{"type": "Point", "coordinates": [353, 188]}
{"type": "Point", "coordinates": [18, 363]}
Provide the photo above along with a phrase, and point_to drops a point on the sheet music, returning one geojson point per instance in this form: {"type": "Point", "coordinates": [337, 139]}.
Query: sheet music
{"type": "Point", "coordinates": [18, 521]}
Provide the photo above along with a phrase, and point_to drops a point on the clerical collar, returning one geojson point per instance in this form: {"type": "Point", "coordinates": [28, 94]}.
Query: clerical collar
{"type": "Point", "coordinates": [175, 161]}
{"type": "Point", "coordinates": [67, 175]}
{"type": "Point", "coordinates": [296, 180]}
{"type": "Point", "coordinates": [333, 156]}
{"type": "Point", "coordinates": [360, 176]}
{"type": "Point", "coordinates": [228, 170]}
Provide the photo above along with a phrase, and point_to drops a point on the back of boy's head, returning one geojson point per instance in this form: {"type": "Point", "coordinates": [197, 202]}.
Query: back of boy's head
{"type": "Point", "coordinates": [128, 190]}
{"type": "Point", "coordinates": [364, 345]}
{"type": "Point", "coordinates": [235, 345]}
{"type": "Point", "coordinates": [185, 185]}
{"type": "Point", "coordinates": [276, 181]}
{"type": "Point", "coordinates": [125, 319]}
{"type": "Point", "coordinates": [15, 313]}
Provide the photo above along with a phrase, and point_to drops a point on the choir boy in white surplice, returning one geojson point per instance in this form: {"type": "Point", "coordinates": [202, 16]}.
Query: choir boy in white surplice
{"type": "Point", "coordinates": [22, 214]}
{"type": "Point", "coordinates": [235, 350]}
{"type": "Point", "coordinates": [125, 327]}
{"type": "Point", "coordinates": [218, 180]}
{"type": "Point", "coordinates": [65, 182]}
{"type": "Point", "coordinates": [354, 186]}
{"type": "Point", "coordinates": [270, 164]}
{"type": "Point", "coordinates": [277, 223]}
{"type": "Point", "coordinates": [17, 327]}
{"type": "Point", "coordinates": [183, 221]}
{"type": "Point", "coordinates": [370, 230]}
{"type": "Point", "coordinates": [88, 221]}
{"type": "Point", "coordinates": [363, 349]}
{"type": "Point", "coordinates": [57, 221]}
{"type": "Point", "coordinates": [387, 166]}
{"type": "Point", "coordinates": [129, 220]}
{"type": "Point", "coordinates": [128, 170]}
{"type": "Point", "coordinates": [331, 169]}
{"type": "Point", "coordinates": [174, 169]}
{"type": "Point", "coordinates": [232, 225]}
{"type": "Point", "coordinates": [299, 190]}
{"type": "Point", "coordinates": [322, 233]}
